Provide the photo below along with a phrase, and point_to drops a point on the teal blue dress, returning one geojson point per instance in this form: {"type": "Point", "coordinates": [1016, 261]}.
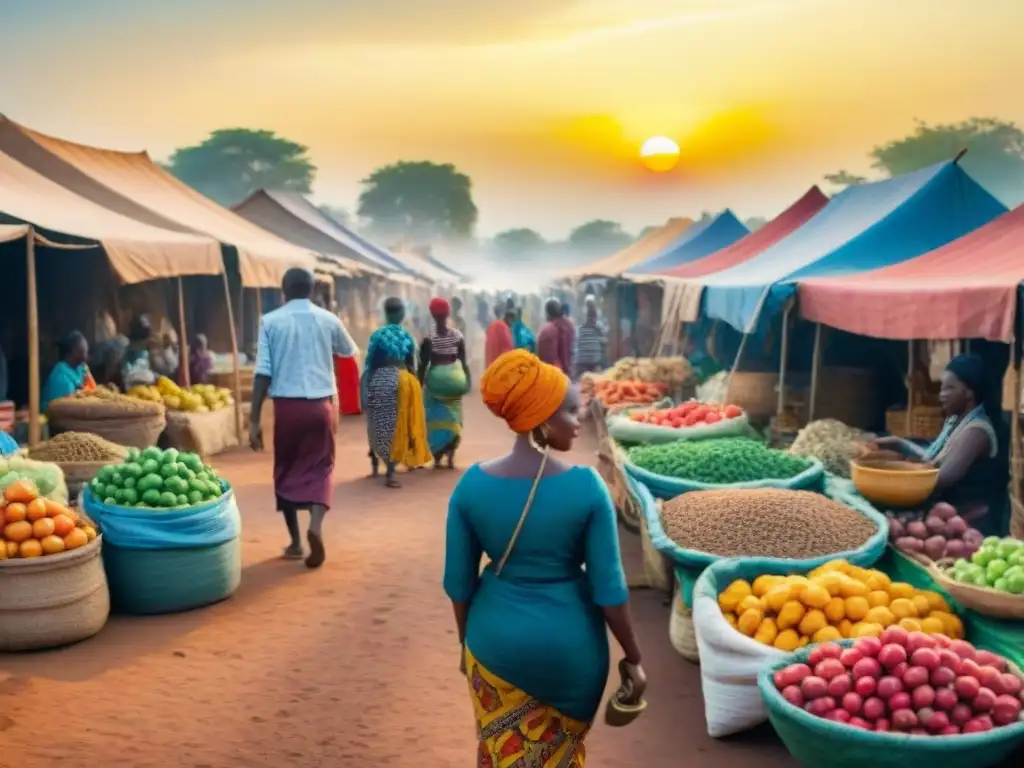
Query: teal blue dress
{"type": "Point", "coordinates": [539, 625]}
{"type": "Point", "coordinates": [62, 382]}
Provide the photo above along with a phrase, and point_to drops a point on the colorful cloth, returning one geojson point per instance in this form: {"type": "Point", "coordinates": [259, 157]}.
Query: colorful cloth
{"type": "Point", "coordinates": [200, 366]}
{"type": "Point", "coordinates": [303, 452]}
{"type": "Point", "coordinates": [590, 343]}
{"type": "Point", "coordinates": [346, 373]}
{"type": "Point", "coordinates": [381, 401]}
{"type": "Point", "coordinates": [62, 382]}
{"type": "Point", "coordinates": [499, 341]}
{"type": "Point", "coordinates": [567, 342]}
{"type": "Point", "coordinates": [409, 445]}
{"type": "Point", "coordinates": [523, 337]}
{"type": "Point", "coordinates": [446, 385]}
{"type": "Point", "coordinates": [517, 731]}
{"type": "Point", "coordinates": [296, 349]}
{"type": "Point", "coordinates": [523, 390]}
{"type": "Point", "coordinates": [549, 344]}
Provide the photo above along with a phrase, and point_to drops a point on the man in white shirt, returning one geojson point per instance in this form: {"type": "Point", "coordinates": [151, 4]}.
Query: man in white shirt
{"type": "Point", "coordinates": [295, 367]}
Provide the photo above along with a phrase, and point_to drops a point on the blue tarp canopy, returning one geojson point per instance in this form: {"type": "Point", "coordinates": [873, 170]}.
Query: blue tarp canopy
{"type": "Point", "coordinates": [866, 226]}
{"type": "Point", "coordinates": [701, 240]}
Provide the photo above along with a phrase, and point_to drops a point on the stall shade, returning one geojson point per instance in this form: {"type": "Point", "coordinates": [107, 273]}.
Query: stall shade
{"type": "Point", "coordinates": [966, 289]}
{"type": "Point", "coordinates": [866, 226]}
{"type": "Point", "coordinates": [292, 217]}
{"type": "Point", "coordinates": [718, 233]}
{"type": "Point", "coordinates": [134, 187]}
{"type": "Point", "coordinates": [671, 235]}
{"type": "Point", "coordinates": [746, 248]}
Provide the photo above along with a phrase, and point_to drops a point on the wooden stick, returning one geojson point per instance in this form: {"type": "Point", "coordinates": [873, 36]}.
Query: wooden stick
{"type": "Point", "coordinates": [234, 359]}
{"type": "Point", "coordinates": [186, 373]}
{"type": "Point", "coordinates": [815, 373]}
{"type": "Point", "coordinates": [241, 314]}
{"type": "Point", "coordinates": [736, 366]}
{"type": "Point", "coordinates": [910, 388]}
{"type": "Point", "coordinates": [783, 363]}
{"type": "Point", "coordinates": [34, 426]}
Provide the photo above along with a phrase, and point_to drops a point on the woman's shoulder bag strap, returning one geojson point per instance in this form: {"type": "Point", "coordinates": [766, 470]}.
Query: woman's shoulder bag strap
{"type": "Point", "coordinates": [522, 517]}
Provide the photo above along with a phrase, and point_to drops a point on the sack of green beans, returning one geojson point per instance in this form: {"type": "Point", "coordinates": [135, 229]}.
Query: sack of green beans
{"type": "Point", "coordinates": [798, 529]}
{"type": "Point", "coordinates": [671, 469]}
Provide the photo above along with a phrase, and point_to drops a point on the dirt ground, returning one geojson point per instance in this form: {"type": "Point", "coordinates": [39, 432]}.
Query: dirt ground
{"type": "Point", "coordinates": [353, 665]}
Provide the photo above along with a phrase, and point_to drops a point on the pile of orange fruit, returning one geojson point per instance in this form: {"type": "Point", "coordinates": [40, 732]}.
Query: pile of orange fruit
{"type": "Point", "coordinates": [32, 525]}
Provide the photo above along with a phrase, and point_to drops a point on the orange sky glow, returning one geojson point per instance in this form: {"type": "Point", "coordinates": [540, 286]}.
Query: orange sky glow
{"type": "Point", "coordinates": [544, 104]}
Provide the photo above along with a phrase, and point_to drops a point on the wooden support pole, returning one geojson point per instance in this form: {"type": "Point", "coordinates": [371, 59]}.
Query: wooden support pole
{"type": "Point", "coordinates": [259, 307]}
{"type": "Point", "coordinates": [1015, 446]}
{"type": "Point", "coordinates": [910, 388]}
{"type": "Point", "coordinates": [735, 366]}
{"type": "Point", "coordinates": [241, 316]}
{"type": "Point", "coordinates": [783, 364]}
{"type": "Point", "coordinates": [186, 372]}
{"type": "Point", "coordinates": [237, 377]}
{"type": "Point", "coordinates": [815, 374]}
{"type": "Point", "coordinates": [34, 426]}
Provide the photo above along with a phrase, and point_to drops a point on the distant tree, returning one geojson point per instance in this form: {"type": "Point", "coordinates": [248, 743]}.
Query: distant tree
{"type": "Point", "coordinates": [232, 163]}
{"type": "Point", "coordinates": [705, 216]}
{"type": "Point", "coordinates": [519, 242]}
{"type": "Point", "coordinates": [599, 236]}
{"type": "Point", "coordinates": [843, 179]}
{"type": "Point", "coordinates": [340, 215]}
{"type": "Point", "coordinates": [754, 223]}
{"type": "Point", "coordinates": [422, 201]}
{"type": "Point", "coordinates": [995, 153]}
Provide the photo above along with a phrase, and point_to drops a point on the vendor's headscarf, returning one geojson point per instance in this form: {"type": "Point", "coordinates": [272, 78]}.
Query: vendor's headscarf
{"type": "Point", "coordinates": [439, 307]}
{"type": "Point", "coordinates": [972, 371]}
{"type": "Point", "coordinates": [524, 391]}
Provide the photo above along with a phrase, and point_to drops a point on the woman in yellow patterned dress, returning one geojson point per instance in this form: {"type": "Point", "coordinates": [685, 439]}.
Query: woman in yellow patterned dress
{"type": "Point", "coordinates": [534, 623]}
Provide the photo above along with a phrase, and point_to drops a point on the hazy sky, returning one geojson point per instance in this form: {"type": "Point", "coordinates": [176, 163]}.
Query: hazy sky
{"type": "Point", "coordinates": [544, 103]}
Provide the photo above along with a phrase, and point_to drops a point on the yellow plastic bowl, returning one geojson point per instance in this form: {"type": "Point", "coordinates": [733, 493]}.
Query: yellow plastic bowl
{"type": "Point", "coordinates": [892, 483]}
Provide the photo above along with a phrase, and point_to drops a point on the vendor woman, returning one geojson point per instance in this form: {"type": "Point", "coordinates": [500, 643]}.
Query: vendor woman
{"type": "Point", "coordinates": [967, 448]}
{"type": "Point", "coordinates": [71, 373]}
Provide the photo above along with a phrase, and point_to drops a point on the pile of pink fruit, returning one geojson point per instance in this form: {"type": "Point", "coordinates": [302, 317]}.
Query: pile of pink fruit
{"type": "Point", "coordinates": [906, 682]}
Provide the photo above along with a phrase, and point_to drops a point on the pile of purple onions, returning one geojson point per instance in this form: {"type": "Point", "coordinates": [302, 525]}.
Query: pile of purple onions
{"type": "Point", "coordinates": [936, 534]}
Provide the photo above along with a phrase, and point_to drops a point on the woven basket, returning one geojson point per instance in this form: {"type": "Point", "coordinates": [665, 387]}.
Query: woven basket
{"type": "Point", "coordinates": [928, 421]}
{"type": "Point", "coordinates": [133, 431]}
{"type": "Point", "coordinates": [896, 422]}
{"type": "Point", "coordinates": [612, 471]}
{"type": "Point", "coordinates": [51, 601]}
{"type": "Point", "coordinates": [754, 392]}
{"type": "Point", "coordinates": [1016, 518]}
{"type": "Point", "coordinates": [987, 602]}
{"type": "Point", "coordinates": [681, 632]}
{"type": "Point", "coordinates": [206, 434]}
{"type": "Point", "coordinates": [657, 567]}
{"type": "Point", "coordinates": [81, 471]}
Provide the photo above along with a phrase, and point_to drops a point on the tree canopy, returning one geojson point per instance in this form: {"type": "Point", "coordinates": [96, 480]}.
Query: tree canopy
{"type": "Point", "coordinates": [599, 236]}
{"type": "Point", "coordinates": [423, 201]}
{"type": "Point", "coordinates": [519, 242]}
{"type": "Point", "coordinates": [232, 163]}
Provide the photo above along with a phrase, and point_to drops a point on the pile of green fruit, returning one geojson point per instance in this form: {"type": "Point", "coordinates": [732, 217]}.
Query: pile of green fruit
{"type": "Point", "coordinates": [719, 461]}
{"type": "Point", "coordinates": [157, 479]}
{"type": "Point", "coordinates": [999, 564]}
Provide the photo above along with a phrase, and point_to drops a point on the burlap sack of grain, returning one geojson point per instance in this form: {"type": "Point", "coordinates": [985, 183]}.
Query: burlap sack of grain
{"type": "Point", "coordinates": [680, 628]}
{"type": "Point", "coordinates": [204, 433]}
{"type": "Point", "coordinates": [611, 469]}
{"type": "Point", "coordinates": [128, 422]}
{"type": "Point", "coordinates": [657, 567]}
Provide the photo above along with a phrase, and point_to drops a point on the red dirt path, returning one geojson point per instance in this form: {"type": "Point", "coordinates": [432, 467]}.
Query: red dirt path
{"type": "Point", "coordinates": [354, 665]}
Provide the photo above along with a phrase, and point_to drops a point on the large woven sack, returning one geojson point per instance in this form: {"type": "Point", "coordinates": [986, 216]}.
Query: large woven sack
{"type": "Point", "coordinates": [681, 631]}
{"type": "Point", "coordinates": [134, 431]}
{"type": "Point", "coordinates": [611, 470]}
{"type": "Point", "coordinates": [51, 601]}
{"type": "Point", "coordinates": [204, 433]}
{"type": "Point", "coordinates": [819, 743]}
{"type": "Point", "coordinates": [78, 473]}
{"type": "Point", "coordinates": [657, 567]}
{"type": "Point", "coordinates": [150, 582]}
{"type": "Point", "coordinates": [623, 429]}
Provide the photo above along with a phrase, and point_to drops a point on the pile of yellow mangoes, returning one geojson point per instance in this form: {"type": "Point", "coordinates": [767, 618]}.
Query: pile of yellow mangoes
{"type": "Point", "coordinates": [199, 398]}
{"type": "Point", "coordinates": [834, 601]}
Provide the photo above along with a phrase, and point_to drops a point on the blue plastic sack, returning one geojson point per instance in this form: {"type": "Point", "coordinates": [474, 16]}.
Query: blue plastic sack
{"type": "Point", "coordinates": [204, 525]}
{"type": "Point", "coordinates": [819, 743]}
{"type": "Point", "coordinates": [690, 563]}
{"type": "Point", "coordinates": [664, 487]}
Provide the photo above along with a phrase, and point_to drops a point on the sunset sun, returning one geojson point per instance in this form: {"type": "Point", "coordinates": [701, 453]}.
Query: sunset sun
{"type": "Point", "coordinates": [659, 154]}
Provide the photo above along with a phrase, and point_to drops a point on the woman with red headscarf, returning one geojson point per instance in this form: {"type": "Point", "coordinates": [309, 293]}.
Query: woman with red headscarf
{"type": "Point", "coordinates": [444, 374]}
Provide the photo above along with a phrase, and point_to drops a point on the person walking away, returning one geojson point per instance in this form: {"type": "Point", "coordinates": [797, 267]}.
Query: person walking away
{"type": "Point", "coordinates": [200, 364]}
{"type": "Point", "coordinates": [522, 335]}
{"type": "Point", "coordinates": [552, 340]}
{"type": "Point", "coordinates": [499, 336]}
{"type": "Point", "coordinates": [568, 329]}
{"type": "Point", "coordinates": [532, 623]}
{"type": "Point", "coordinates": [294, 367]}
{"type": "Point", "coordinates": [971, 475]}
{"type": "Point", "coordinates": [392, 398]}
{"type": "Point", "coordinates": [445, 377]}
{"type": "Point", "coordinates": [590, 342]}
{"type": "Point", "coordinates": [71, 373]}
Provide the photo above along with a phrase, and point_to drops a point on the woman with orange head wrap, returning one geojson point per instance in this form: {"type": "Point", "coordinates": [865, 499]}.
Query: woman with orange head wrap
{"type": "Point", "coordinates": [533, 624]}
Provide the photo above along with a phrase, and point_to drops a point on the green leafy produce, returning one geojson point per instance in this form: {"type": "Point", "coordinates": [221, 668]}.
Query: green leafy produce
{"type": "Point", "coordinates": [157, 479]}
{"type": "Point", "coordinates": [998, 564]}
{"type": "Point", "coordinates": [720, 461]}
